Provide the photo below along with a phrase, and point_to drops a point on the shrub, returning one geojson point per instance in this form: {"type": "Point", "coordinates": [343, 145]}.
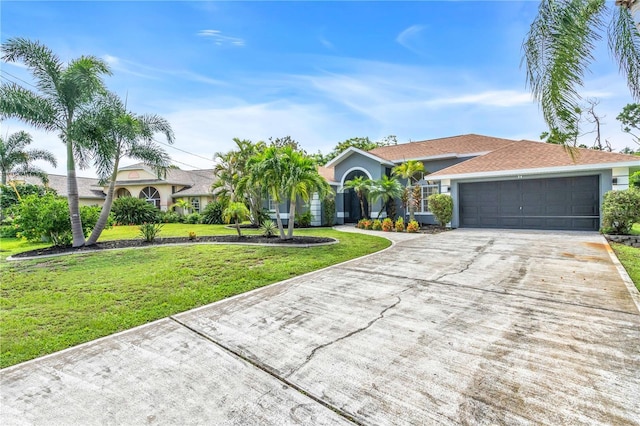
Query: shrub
{"type": "Point", "coordinates": [212, 213]}
{"type": "Point", "coordinates": [413, 226]}
{"type": "Point", "coordinates": [329, 211]}
{"type": "Point", "coordinates": [368, 224]}
{"type": "Point", "coordinates": [9, 231]}
{"type": "Point", "coordinates": [620, 210]}
{"type": "Point", "coordinates": [193, 218]}
{"type": "Point", "coordinates": [47, 217]}
{"type": "Point", "coordinates": [149, 231]}
{"type": "Point", "coordinates": [268, 228]}
{"type": "Point", "coordinates": [377, 225]}
{"type": "Point", "coordinates": [8, 196]}
{"type": "Point", "coordinates": [192, 235]}
{"type": "Point", "coordinates": [387, 225]}
{"type": "Point", "coordinates": [634, 180]}
{"type": "Point", "coordinates": [441, 205]}
{"type": "Point", "coordinates": [170, 217]}
{"type": "Point", "coordinates": [360, 224]}
{"type": "Point", "coordinates": [400, 225]}
{"type": "Point", "coordinates": [133, 211]}
{"type": "Point", "coordinates": [303, 220]}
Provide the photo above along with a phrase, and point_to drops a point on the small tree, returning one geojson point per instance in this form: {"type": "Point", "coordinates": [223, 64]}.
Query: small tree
{"type": "Point", "coordinates": [360, 186]}
{"type": "Point", "coordinates": [236, 212]}
{"type": "Point", "coordinates": [410, 172]}
{"type": "Point", "coordinates": [16, 159]}
{"type": "Point", "coordinates": [620, 210]}
{"type": "Point", "coordinates": [441, 205]}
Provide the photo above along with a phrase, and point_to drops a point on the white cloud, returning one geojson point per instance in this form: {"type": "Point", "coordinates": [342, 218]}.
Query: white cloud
{"type": "Point", "coordinates": [498, 98]}
{"type": "Point", "coordinates": [221, 40]}
{"type": "Point", "coordinates": [410, 38]}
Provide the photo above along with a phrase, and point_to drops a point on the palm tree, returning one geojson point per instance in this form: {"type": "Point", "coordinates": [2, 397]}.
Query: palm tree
{"type": "Point", "coordinates": [409, 172]}
{"type": "Point", "coordinates": [386, 189]}
{"type": "Point", "coordinates": [266, 171]}
{"type": "Point", "coordinates": [16, 160]}
{"type": "Point", "coordinates": [301, 179]}
{"type": "Point", "coordinates": [183, 205]}
{"type": "Point", "coordinates": [559, 49]}
{"type": "Point", "coordinates": [237, 212]}
{"type": "Point", "coordinates": [360, 186]}
{"type": "Point", "coordinates": [61, 92]}
{"type": "Point", "coordinates": [109, 132]}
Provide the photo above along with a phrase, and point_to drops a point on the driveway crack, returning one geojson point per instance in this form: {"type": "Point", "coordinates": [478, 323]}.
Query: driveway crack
{"type": "Point", "coordinates": [350, 334]}
{"type": "Point", "coordinates": [468, 264]}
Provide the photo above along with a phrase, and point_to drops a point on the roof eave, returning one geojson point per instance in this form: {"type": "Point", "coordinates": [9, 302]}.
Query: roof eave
{"type": "Point", "coordinates": [536, 171]}
{"type": "Point", "coordinates": [352, 150]}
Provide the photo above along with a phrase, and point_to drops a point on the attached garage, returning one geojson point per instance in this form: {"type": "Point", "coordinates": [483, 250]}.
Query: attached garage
{"type": "Point", "coordinates": [567, 203]}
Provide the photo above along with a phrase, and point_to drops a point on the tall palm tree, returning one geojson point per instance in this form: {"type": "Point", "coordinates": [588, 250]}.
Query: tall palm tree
{"type": "Point", "coordinates": [410, 171]}
{"type": "Point", "coordinates": [109, 132]}
{"type": "Point", "coordinates": [386, 189]}
{"type": "Point", "coordinates": [359, 185]}
{"type": "Point", "coordinates": [62, 90]}
{"type": "Point", "coordinates": [559, 49]}
{"type": "Point", "coordinates": [300, 180]}
{"type": "Point", "coordinates": [15, 159]}
{"type": "Point", "coordinates": [266, 171]}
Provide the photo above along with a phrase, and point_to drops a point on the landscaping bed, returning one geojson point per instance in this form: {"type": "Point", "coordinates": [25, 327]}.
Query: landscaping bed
{"type": "Point", "coordinates": [230, 239]}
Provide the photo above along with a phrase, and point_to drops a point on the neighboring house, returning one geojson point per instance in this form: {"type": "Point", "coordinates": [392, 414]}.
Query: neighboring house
{"type": "Point", "coordinates": [494, 183]}
{"type": "Point", "coordinates": [140, 181]}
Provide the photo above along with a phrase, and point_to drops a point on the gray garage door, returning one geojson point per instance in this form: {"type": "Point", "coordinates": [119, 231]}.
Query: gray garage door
{"type": "Point", "coordinates": [570, 203]}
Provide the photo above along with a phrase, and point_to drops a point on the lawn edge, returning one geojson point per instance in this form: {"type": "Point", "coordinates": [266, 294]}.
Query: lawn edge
{"type": "Point", "coordinates": [628, 282]}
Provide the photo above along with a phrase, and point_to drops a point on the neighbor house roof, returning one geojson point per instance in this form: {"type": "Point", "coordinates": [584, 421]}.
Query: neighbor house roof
{"type": "Point", "coordinates": [451, 147]}
{"type": "Point", "coordinates": [88, 188]}
{"type": "Point", "coordinates": [328, 173]}
{"type": "Point", "coordinates": [535, 157]}
{"type": "Point", "coordinates": [198, 182]}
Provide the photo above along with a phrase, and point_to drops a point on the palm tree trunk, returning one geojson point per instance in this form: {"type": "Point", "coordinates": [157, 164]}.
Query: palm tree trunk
{"type": "Point", "coordinates": [279, 222]}
{"type": "Point", "coordinates": [73, 199]}
{"type": "Point", "coordinates": [362, 212]}
{"type": "Point", "coordinates": [292, 215]}
{"type": "Point", "coordinates": [410, 203]}
{"type": "Point", "coordinates": [238, 228]}
{"type": "Point", "coordinates": [106, 208]}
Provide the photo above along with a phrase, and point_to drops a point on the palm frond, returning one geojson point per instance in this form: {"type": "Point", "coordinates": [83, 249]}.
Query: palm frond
{"type": "Point", "coordinates": [18, 102]}
{"type": "Point", "coordinates": [43, 63]}
{"type": "Point", "coordinates": [558, 51]}
{"type": "Point", "coordinates": [624, 43]}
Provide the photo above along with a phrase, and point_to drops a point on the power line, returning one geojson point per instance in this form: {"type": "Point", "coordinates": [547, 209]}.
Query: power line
{"type": "Point", "coordinates": [17, 78]}
{"type": "Point", "coordinates": [182, 150]}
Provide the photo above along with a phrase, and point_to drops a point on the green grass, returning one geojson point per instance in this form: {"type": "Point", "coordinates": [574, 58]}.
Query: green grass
{"type": "Point", "coordinates": [635, 230]}
{"type": "Point", "coordinates": [50, 304]}
{"type": "Point", "coordinates": [630, 259]}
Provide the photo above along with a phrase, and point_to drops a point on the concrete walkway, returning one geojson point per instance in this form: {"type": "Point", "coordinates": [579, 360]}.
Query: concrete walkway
{"type": "Point", "coordinates": [464, 327]}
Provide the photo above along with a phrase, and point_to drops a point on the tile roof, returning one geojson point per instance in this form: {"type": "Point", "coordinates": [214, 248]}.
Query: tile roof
{"type": "Point", "coordinates": [523, 155]}
{"type": "Point", "coordinates": [451, 146]}
{"type": "Point", "coordinates": [87, 187]}
{"type": "Point", "coordinates": [328, 173]}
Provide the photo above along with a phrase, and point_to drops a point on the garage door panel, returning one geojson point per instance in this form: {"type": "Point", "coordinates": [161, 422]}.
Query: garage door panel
{"type": "Point", "coordinates": [552, 203]}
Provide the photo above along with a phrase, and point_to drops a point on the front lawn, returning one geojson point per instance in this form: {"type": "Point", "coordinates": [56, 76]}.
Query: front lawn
{"type": "Point", "coordinates": [50, 304]}
{"type": "Point", "coordinates": [630, 259]}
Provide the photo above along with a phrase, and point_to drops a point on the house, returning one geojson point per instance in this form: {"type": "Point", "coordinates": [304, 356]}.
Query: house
{"type": "Point", "coordinates": [139, 180]}
{"type": "Point", "coordinates": [494, 182]}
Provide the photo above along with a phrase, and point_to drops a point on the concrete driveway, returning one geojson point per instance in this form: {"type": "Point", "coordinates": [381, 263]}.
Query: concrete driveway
{"type": "Point", "coordinates": [464, 327]}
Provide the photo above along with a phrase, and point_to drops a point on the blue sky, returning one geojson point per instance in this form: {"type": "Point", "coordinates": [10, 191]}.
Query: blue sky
{"type": "Point", "coordinates": [321, 72]}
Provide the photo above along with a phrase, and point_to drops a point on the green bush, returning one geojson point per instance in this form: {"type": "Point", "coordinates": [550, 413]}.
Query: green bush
{"type": "Point", "coordinates": [149, 231]}
{"type": "Point", "coordinates": [620, 210]}
{"type": "Point", "coordinates": [634, 180]}
{"type": "Point", "coordinates": [400, 225]}
{"type": "Point", "coordinates": [133, 211]}
{"type": "Point", "coordinates": [303, 220]}
{"type": "Point", "coordinates": [377, 225]}
{"type": "Point", "coordinates": [268, 228]}
{"type": "Point", "coordinates": [329, 211]}
{"type": "Point", "coordinates": [193, 218]}
{"type": "Point", "coordinates": [441, 205]}
{"type": "Point", "coordinates": [8, 196]}
{"type": "Point", "coordinates": [170, 217]}
{"type": "Point", "coordinates": [47, 217]}
{"type": "Point", "coordinates": [212, 213]}
{"type": "Point", "coordinates": [9, 231]}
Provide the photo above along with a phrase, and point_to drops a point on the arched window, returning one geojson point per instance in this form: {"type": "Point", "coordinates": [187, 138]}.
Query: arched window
{"type": "Point", "coordinates": [151, 195]}
{"type": "Point", "coordinates": [123, 192]}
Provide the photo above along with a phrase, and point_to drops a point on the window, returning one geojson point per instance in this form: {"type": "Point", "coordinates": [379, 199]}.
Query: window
{"type": "Point", "coordinates": [195, 204]}
{"type": "Point", "coordinates": [431, 187]}
{"type": "Point", "coordinates": [123, 192]}
{"type": "Point", "coordinates": [151, 195]}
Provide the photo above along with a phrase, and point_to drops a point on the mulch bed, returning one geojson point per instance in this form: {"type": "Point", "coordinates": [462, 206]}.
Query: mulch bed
{"type": "Point", "coordinates": [252, 239]}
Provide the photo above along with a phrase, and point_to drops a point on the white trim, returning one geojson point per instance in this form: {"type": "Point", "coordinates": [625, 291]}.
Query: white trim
{"type": "Point", "coordinates": [272, 214]}
{"type": "Point", "coordinates": [543, 170]}
{"type": "Point", "coordinates": [347, 153]}
{"type": "Point", "coordinates": [353, 169]}
{"type": "Point", "coordinates": [343, 215]}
